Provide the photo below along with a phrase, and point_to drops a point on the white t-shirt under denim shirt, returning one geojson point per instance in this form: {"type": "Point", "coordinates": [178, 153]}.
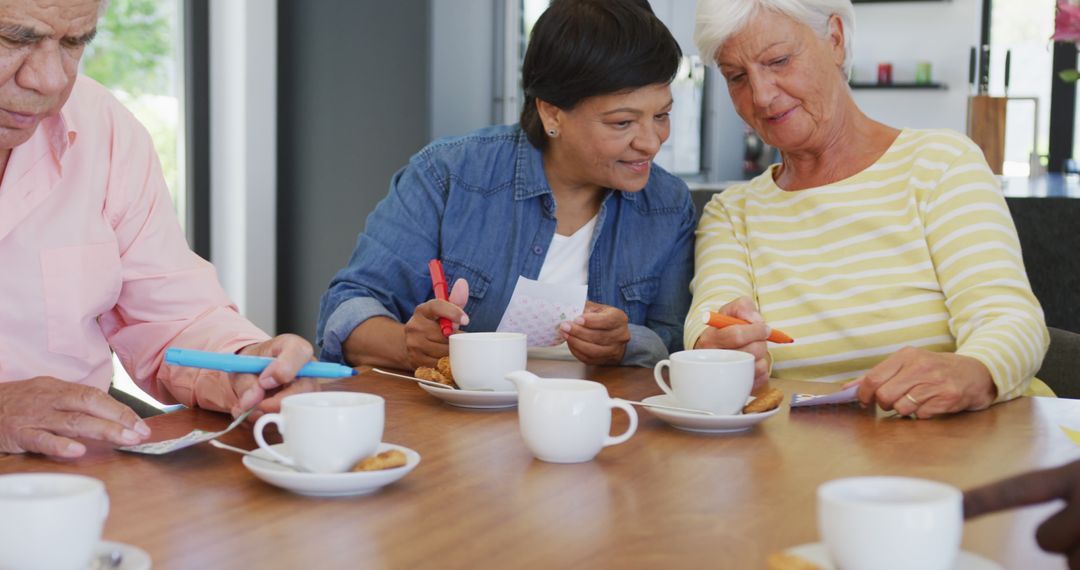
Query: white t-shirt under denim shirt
{"type": "Point", "coordinates": [566, 263]}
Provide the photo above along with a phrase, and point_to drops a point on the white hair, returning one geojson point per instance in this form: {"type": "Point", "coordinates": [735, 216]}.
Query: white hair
{"type": "Point", "coordinates": [718, 20]}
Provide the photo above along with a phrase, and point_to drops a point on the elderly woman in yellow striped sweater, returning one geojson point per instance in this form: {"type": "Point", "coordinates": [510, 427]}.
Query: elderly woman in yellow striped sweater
{"type": "Point", "coordinates": [889, 254]}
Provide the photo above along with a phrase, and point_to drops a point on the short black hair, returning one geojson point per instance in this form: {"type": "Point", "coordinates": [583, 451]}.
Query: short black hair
{"type": "Point", "coordinates": [584, 48]}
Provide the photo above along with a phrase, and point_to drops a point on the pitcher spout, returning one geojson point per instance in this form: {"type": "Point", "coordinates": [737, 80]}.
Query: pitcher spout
{"type": "Point", "coordinates": [522, 378]}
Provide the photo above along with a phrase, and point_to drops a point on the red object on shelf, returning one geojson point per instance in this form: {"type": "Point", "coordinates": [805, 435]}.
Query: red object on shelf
{"type": "Point", "coordinates": [884, 73]}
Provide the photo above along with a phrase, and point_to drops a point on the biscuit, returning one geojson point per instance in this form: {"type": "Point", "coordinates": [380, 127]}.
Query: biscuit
{"type": "Point", "coordinates": [385, 460]}
{"type": "Point", "coordinates": [785, 561]}
{"type": "Point", "coordinates": [427, 373]}
{"type": "Point", "coordinates": [443, 366]}
{"type": "Point", "coordinates": [764, 401]}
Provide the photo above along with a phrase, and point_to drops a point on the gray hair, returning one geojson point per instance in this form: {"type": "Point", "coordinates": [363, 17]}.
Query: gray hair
{"type": "Point", "coordinates": [718, 20]}
{"type": "Point", "coordinates": [102, 8]}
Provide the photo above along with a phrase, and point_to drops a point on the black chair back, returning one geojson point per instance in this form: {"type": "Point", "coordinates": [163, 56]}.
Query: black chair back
{"type": "Point", "coordinates": [1049, 231]}
{"type": "Point", "coordinates": [1061, 367]}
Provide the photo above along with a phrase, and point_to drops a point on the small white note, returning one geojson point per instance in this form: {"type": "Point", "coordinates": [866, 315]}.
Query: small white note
{"type": "Point", "coordinates": [188, 440]}
{"type": "Point", "coordinates": [537, 309]}
{"type": "Point", "coordinates": [840, 397]}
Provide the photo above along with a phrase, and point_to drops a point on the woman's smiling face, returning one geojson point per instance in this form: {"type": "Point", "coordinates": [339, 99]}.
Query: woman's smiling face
{"type": "Point", "coordinates": [609, 141]}
{"type": "Point", "coordinates": [785, 80]}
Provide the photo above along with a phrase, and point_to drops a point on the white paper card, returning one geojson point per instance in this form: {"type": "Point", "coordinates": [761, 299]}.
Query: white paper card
{"type": "Point", "coordinates": [537, 309]}
{"type": "Point", "coordinates": [841, 397]}
{"type": "Point", "coordinates": [171, 445]}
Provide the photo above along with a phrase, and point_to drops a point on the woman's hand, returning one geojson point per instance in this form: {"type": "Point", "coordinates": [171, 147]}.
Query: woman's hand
{"type": "Point", "coordinates": [920, 383]}
{"type": "Point", "coordinates": [424, 340]}
{"type": "Point", "coordinates": [599, 335]}
{"type": "Point", "coordinates": [747, 338]}
{"type": "Point", "coordinates": [278, 379]}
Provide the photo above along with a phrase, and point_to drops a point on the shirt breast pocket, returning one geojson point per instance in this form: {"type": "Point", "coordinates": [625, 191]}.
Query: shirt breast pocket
{"type": "Point", "coordinates": [637, 295]}
{"type": "Point", "coordinates": [80, 283]}
{"type": "Point", "coordinates": [478, 280]}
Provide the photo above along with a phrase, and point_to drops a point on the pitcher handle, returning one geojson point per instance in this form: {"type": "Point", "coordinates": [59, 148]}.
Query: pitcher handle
{"type": "Point", "coordinates": [624, 406]}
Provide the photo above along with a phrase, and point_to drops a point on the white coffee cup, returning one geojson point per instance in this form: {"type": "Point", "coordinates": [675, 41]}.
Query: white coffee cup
{"type": "Point", "coordinates": [326, 432]}
{"type": "Point", "coordinates": [890, 523]}
{"type": "Point", "coordinates": [712, 379]}
{"type": "Point", "coordinates": [50, 520]}
{"type": "Point", "coordinates": [564, 420]}
{"type": "Point", "coordinates": [481, 361]}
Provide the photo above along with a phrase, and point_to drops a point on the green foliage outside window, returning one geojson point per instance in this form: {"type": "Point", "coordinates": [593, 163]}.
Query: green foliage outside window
{"type": "Point", "coordinates": [135, 55]}
{"type": "Point", "coordinates": [133, 51]}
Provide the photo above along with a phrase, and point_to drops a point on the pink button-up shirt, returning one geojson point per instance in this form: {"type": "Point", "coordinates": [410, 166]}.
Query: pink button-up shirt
{"type": "Point", "coordinates": [92, 257]}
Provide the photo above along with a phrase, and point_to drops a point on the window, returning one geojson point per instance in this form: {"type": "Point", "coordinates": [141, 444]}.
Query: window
{"type": "Point", "coordinates": [1022, 29]}
{"type": "Point", "coordinates": [530, 13]}
{"type": "Point", "coordinates": [681, 154]}
{"type": "Point", "coordinates": [137, 55]}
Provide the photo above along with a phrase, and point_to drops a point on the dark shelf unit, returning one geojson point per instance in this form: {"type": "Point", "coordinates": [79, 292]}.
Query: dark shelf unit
{"type": "Point", "coordinates": [901, 86]}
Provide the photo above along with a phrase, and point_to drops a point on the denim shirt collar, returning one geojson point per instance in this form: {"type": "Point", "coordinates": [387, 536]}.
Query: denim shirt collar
{"type": "Point", "coordinates": [529, 180]}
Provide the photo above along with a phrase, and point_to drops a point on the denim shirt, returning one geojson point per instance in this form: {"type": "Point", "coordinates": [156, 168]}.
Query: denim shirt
{"type": "Point", "coordinates": [482, 204]}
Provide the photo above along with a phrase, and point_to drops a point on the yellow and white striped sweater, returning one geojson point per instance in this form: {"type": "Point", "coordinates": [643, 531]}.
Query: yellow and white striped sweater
{"type": "Point", "coordinates": [917, 250]}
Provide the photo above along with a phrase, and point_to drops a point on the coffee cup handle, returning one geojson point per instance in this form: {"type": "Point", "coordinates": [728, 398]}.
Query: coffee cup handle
{"type": "Point", "coordinates": [622, 405]}
{"type": "Point", "coordinates": [658, 373]}
{"type": "Point", "coordinates": [260, 424]}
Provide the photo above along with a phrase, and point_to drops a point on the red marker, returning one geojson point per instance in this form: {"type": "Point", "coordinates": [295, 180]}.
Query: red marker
{"type": "Point", "coordinates": [719, 321]}
{"type": "Point", "coordinates": [438, 283]}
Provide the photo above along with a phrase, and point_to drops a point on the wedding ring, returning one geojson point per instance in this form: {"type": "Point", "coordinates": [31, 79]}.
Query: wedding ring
{"type": "Point", "coordinates": [912, 398]}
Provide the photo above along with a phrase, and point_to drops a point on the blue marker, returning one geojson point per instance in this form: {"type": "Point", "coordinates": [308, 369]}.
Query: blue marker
{"type": "Point", "coordinates": [237, 364]}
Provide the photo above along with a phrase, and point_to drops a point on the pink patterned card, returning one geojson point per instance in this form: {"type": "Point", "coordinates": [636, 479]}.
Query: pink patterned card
{"type": "Point", "coordinates": [537, 309]}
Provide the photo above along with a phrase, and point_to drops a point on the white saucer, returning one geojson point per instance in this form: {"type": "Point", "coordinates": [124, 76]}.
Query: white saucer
{"type": "Point", "coordinates": [817, 553]}
{"type": "Point", "coordinates": [133, 557]}
{"type": "Point", "coordinates": [477, 399]}
{"type": "Point", "coordinates": [702, 423]}
{"type": "Point", "coordinates": [329, 484]}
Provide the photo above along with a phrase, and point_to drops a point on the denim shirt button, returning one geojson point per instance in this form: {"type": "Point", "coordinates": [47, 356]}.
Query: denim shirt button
{"type": "Point", "coordinates": [547, 202]}
{"type": "Point", "coordinates": [538, 250]}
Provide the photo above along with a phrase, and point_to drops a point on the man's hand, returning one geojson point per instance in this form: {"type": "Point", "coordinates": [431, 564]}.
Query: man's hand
{"type": "Point", "coordinates": [1061, 532]}
{"type": "Point", "coordinates": [424, 340]}
{"type": "Point", "coordinates": [290, 353]}
{"type": "Point", "coordinates": [749, 338]}
{"type": "Point", "coordinates": [598, 336]}
{"type": "Point", "coordinates": [44, 415]}
{"type": "Point", "coordinates": [920, 383]}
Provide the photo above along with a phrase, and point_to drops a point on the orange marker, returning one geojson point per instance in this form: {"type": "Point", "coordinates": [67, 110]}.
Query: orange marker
{"type": "Point", "coordinates": [719, 321]}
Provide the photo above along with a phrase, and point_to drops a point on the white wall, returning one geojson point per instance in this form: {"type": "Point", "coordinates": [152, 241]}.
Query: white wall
{"type": "Point", "coordinates": [243, 146]}
{"type": "Point", "coordinates": [903, 34]}
{"type": "Point", "coordinates": [462, 65]}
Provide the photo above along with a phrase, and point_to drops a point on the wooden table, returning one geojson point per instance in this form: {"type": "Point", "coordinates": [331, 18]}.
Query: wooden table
{"type": "Point", "coordinates": [665, 499]}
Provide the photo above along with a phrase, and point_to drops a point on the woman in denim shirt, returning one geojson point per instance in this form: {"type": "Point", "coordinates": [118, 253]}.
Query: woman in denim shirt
{"type": "Point", "coordinates": [574, 178]}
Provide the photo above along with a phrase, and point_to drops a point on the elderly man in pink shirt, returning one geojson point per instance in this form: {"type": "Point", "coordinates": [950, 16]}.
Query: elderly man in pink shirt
{"type": "Point", "coordinates": [92, 257]}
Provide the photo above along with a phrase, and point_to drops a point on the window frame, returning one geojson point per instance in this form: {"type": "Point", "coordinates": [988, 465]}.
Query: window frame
{"type": "Point", "coordinates": [196, 105]}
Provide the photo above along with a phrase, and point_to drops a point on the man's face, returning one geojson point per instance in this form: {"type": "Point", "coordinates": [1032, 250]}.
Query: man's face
{"type": "Point", "coordinates": [41, 42]}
